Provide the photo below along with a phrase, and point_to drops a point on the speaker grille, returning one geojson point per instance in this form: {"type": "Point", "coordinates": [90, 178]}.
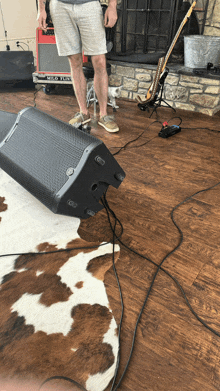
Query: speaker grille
{"type": "Point", "coordinates": [50, 61]}
{"type": "Point", "coordinates": [43, 149]}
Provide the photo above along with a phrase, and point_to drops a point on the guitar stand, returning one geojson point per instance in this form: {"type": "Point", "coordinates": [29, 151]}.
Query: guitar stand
{"type": "Point", "coordinates": [155, 103]}
{"type": "Point", "coordinates": [160, 100]}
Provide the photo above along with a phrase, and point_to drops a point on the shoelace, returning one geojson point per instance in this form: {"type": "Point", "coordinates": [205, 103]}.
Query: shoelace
{"type": "Point", "coordinates": [107, 118]}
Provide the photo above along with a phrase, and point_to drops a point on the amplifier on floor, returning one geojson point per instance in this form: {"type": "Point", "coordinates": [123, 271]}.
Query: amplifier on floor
{"type": "Point", "coordinates": [65, 168]}
{"type": "Point", "coordinates": [48, 60]}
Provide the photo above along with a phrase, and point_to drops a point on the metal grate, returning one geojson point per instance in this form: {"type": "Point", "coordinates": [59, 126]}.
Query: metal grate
{"type": "Point", "coordinates": [148, 26]}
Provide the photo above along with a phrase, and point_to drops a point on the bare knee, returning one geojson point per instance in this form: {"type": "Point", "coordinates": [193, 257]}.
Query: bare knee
{"type": "Point", "coordinates": [99, 63]}
{"type": "Point", "coordinates": [76, 61]}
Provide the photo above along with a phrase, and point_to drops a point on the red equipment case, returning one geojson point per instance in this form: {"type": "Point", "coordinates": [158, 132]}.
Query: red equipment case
{"type": "Point", "coordinates": [51, 68]}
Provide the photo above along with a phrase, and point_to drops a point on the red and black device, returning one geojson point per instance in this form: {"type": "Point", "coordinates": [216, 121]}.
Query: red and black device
{"type": "Point", "coordinates": [51, 68]}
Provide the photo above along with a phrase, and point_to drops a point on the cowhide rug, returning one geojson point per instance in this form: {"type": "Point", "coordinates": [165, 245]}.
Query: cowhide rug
{"type": "Point", "coordinates": [55, 318]}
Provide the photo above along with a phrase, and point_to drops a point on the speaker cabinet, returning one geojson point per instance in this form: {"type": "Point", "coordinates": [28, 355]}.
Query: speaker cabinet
{"type": "Point", "coordinates": [16, 65]}
{"type": "Point", "coordinates": [65, 168]}
{"type": "Point", "coordinates": [48, 60]}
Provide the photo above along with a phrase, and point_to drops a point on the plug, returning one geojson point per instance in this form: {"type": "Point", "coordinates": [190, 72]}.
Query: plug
{"type": "Point", "coordinates": [165, 124]}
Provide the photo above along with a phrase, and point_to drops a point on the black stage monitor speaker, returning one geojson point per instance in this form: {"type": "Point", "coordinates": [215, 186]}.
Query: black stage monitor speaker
{"type": "Point", "coordinates": [65, 168]}
{"type": "Point", "coordinates": [16, 65]}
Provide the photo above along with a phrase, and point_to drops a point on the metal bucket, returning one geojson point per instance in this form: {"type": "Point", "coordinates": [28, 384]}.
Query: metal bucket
{"type": "Point", "coordinates": [201, 49]}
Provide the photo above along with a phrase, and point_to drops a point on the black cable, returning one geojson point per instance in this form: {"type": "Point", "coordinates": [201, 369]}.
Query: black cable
{"type": "Point", "coordinates": [122, 309]}
{"type": "Point", "coordinates": [146, 142]}
{"type": "Point", "coordinates": [181, 240]}
{"type": "Point", "coordinates": [211, 130]}
{"type": "Point", "coordinates": [171, 119]}
{"type": "Point", "coordinates": [140, 135]}
{"type": "Point", "coordinates": [197, 128]}
{"type": "Point", "coordinates": [143, 307]}
{"type": "Point", "coordinates": [35, 95]}
{"type": "Point", "coordinates": [159, 267]}
{"type": "Point", "coordinates": [135, 139]}
{"type": "Point", "coordinates": [19, 46]}
{"type": "Point", "coordinates": [105, 204]}
{"type": "Point", "coordinates": [24, 43]}
{"type": "Point", "coordinates": [57, 251]}
{"type": "Point", "coordinates": [63, 250]}
{"type": "Point", "coordinates": [179, 286]}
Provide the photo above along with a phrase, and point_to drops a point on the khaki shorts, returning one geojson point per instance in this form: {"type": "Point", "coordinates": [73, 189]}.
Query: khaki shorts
{"type": "Point", "coordinates": [78, 28]}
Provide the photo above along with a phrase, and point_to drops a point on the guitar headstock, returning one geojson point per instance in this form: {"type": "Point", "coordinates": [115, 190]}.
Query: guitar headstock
{"type": "Point", "coordinates": [191, 9]}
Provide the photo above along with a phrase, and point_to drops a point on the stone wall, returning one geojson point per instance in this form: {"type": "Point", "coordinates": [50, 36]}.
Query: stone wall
{"type": "Point", "coordinates": [212, 25]}
{"type": "Point", "coordinates": [182, 89]}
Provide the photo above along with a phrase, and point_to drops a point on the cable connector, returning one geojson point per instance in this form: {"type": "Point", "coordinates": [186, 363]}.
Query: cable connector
{"type": "Point", "coordinates": [165, 124]}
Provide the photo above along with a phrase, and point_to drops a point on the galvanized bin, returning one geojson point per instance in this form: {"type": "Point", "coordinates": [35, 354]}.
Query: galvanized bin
{"type": "Point", "coordinates": [199, 50]}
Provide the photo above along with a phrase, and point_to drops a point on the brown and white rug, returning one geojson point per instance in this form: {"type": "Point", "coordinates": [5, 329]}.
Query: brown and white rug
{"type": "Point", "coordinates": [55, 318]}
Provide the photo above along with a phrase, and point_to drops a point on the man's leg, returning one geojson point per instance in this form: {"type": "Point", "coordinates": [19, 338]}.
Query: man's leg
{"type": "Point", "coordinates": [101, 90]}
{"type": "Point", "coordinates": [79, 81]}
{"type": "Point", "coordinates": [101, 82]}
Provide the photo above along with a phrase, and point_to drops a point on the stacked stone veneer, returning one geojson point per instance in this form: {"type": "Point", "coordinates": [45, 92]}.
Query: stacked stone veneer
{"type": "Point", "coordinates": [212, 23]}
{"type": "Point", "coordinates": [183, 91]}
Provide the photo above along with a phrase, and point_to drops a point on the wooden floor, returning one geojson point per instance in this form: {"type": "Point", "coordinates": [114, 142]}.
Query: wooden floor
{"type": "Point", "coordinates": [173, 351]}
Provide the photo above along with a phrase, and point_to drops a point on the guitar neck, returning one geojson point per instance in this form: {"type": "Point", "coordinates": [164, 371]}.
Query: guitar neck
{"type": "Point", "coordinates": [178, 33]}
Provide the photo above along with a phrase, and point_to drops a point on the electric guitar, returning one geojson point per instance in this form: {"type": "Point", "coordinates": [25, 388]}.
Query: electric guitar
{"type": "Point", "coordinates": [161, 68]}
